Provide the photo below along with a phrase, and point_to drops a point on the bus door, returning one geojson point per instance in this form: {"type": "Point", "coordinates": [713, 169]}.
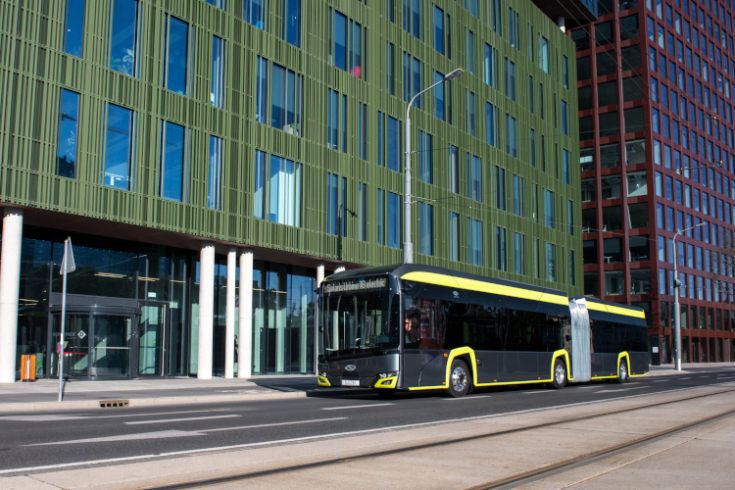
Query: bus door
{"type": "Point", "coordinates": [424, 363]}
{"type": "Point", "coordinates": [578, 343]}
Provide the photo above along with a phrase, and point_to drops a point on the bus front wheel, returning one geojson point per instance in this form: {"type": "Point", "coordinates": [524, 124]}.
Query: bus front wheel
{"type": "Point", "coordinates": [459, 379]}
{"type": "Point", "coordinates": [560, 375]}
{"type": "Point", "coordinates": [623, 372]}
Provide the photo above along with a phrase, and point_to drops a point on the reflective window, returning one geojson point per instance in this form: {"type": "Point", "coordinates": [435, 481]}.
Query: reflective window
{"type": "Point", "coordinates": [340, 41]}
{"type": "Point", "coordinates": [453, 169]}
{"type": "Point", "coordinates": [426, 161]}
{"type": "Point", "coordinates": [119, 148]}
{"type": "Point", "coordinates": [124, 37]}
{"type": "Point", "coordinates": [253, 11]}
{"type": "Point", "coordinates": [439, 30]}
{"type": "Point", "coordinates": [511, 134]}
{"type": "Point", "coordinates": [176, 72]}
{"type": "Point", "coordinates": [510, 79]}
{"type": "Point", "coordinates": [474, 177]}
{"type": "Point", "coordinates": [470, 52]}
{"type": "Point", "coordinates": [292, 22]}
{"type": "Point", "coordinates": [454, 236]}
{"type": "Point", "coordinates": [476, 255]}
{"type": "Point", "coordinates": [491, 124]}
{"type": "Point", "coordinates": [277, 189]}
{"type": "Point", "coordinates": [285, 92]}
{"type": "Point", "coordinates": [426, 224]}
{"type": "Point", "coordinates": [66, 152]}
{"type": "Point", "coordinates": [214, 183]}
{"type": "Point", "coordinates": [173, 162]}
{"type": "Point", "coordinates": [74, 28]}
{"type": "Point", "coordinates": [439, 97]}
{"type": "Point", "coordinates": [220, 4]}
{"type": "Point", "coordinates": [336, 207]}
{"type": "Point", "coordinates": [218, 72]}
{"type": "Point", "coordinates": [471, 113]}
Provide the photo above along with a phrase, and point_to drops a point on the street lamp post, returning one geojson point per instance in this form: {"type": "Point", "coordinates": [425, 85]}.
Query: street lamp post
{"type": "Point", "coordinates": [407, 244]}
{"type": "Point", "coordinates": [677, 285]}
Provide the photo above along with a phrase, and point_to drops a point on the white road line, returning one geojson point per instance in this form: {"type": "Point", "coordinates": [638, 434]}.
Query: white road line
{"type": "Point", "coordinates": [326, 436]}
{"type": "Point", "coordinates": [538, 391]}
{"type": "Point", "coordinates": [359, 406]}
{"type": "Point", "coordinates": [184, 419]}
{"type": "Point", "coordinates": [54, 418]}
{"type": "Point", "coordinates": [621, 389]}
{"type": "Point", "coordinates": [660, 381]}
{"type": "Point", "coordinates": [161, 434]}
{"type": "Point", "coordinates": [298, 422]}
{"type": "Point", "coordinates": [688, 377]}
{"type": "Point", "coordinates": [466, 398]}
{"type": "Point", "coordinates": [588, 387]}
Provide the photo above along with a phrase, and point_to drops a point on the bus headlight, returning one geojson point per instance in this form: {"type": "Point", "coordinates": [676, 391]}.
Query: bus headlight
{"type": "Point", "coordinates": [324, 374]}
{"type": "Point", "coordinates": [387, 375]}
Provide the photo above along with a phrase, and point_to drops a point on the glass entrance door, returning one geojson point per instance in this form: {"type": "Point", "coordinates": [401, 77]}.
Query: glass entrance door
{"type": "Point", "coordinates": [151, 339]}
{"type": "Point", "coordinates": [76, 347]}
{"type": "Point", "coordinates": [110, 346]}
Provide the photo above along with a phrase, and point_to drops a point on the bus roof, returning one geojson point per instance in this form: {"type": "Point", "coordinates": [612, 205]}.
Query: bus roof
{"type": "Point", "coordinates": [595, 304]}
{"type": "Point", "coordinates": [461, 280]}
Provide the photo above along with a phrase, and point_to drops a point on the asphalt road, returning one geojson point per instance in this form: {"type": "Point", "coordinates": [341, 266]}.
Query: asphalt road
{"type": "Point", "coordinates": [38, 439]}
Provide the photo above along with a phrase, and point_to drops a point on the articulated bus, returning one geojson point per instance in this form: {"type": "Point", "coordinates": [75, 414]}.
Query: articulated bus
{"type": "Point", "coordinates": [413, 327]}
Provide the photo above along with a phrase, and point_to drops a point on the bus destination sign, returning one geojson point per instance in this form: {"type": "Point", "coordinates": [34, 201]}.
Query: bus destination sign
{"type": "Point", "coordinates": [358, 285]}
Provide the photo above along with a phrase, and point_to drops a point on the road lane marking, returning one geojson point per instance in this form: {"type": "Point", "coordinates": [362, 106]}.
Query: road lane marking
{"type": "Point", "coordinates": [54, 418]}
{"type": "Point", "coordinates": [588, 387]}
{"type": "Point", "coordinates": [183, 419]}
{"type": "Point", "coordinates": [276, 424]}
{"type": "Point", "coordinates": [538, 391]}
{"type": "Point", "coordinates": [466, 398]}
{"type": "Point", "coordinates": [660, 381]}
{"type": "Point", "coordinates": [360, 406]}
{"type": "Point", "coordinates": [161, 434]}
{"type": "Point", "coordinates": [688, 377]}
{"type": "Point", "coordinates": [41, 418]}
{"type": "Point", "coordinates": [331, 435]}
{"type": "Point", "coordinates": [622, 389]}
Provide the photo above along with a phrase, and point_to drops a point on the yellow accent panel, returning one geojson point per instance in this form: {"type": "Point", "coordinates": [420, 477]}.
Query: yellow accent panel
{"type": "Point", "coordinates": [380, 384]}
{"type": "Point", "coordinates": [458, 352]}
{"type": "Point", "coordinates": [484, 287]}
{"type": "Point", "coordinates": [638, 375]}
{"type": "Point", "coordinates": [503, 383]}
{"type": "Point", "coordinates": [615, 310]}
{"type": "Point", "coordinates": [322, 381]}
{"type": "Point", "coordinates": [557, 354]}
{"type": "Point", "coordinates": [428, 388]}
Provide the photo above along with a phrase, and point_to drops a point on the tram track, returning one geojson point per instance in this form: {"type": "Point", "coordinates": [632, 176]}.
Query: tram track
{"type": "Point", "coordinates": [506, 482]}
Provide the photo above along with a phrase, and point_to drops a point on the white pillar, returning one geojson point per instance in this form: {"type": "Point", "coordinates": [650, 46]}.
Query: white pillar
{"type": "Point", "coordinates": [561, 23]}
{"type": "Point", "coordinates": [230, 313]}
{"type": "Point", "coordinates": [206, 310]}
{"type": "Point", "coordinates": [245, 329]}
{"type": "Point", "coordinates": [339, 268]}
{"type": "Point", "coordinates": [317, 319]}
{"type": "Point", "coordinates": [319, 274]}
{"type": "Point", "coordinates": [9, 290]}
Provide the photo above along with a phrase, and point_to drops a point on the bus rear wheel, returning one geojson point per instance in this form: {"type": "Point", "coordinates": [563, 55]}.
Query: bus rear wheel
{"type": "Point", "coordinates": [623, 372]}
{"type": "Point", "coordinates": [460, 381]}
{"type": "Point", "coordinates": [560, 375]}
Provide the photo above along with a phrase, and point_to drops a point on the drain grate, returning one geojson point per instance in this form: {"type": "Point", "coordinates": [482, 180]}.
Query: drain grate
{"type": "Point", "coordinates": [114, 403]}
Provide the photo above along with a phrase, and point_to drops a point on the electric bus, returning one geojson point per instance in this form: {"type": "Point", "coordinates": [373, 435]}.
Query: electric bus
{"type": "Point", "coordinates": [415, 327]}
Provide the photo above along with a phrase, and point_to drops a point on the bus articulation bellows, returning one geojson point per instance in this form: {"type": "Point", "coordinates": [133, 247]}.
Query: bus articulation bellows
{"type": "Point", "coordinates": [413, 327]}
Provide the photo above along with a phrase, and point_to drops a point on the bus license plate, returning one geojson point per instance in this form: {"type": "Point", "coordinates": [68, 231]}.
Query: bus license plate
{"type": "Point", "coordinates": [350, 382]}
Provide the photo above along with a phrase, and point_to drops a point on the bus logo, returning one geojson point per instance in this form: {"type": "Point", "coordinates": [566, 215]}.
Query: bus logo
{"type": "Point", "coordinates": [350, 367]}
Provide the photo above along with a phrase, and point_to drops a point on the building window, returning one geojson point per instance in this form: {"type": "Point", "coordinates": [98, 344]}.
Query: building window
{"type": "Point", "coordinates": [389, 142]}
{"type": "Point", "coordinates": [438, 30]}
{"type": "Point", "coordinates": [333, 120]}
{"type": "Point", "coordinates": [564, 122]}
{"type": "Point", "coordinates": [285, 97]}
{"type": "Point", "coordinates": [471, 113]}
{"type": "Point", "coordinates": [471, 5]}
{"type": "Point", "coordinates": [499, 188]}
{"type": "Point", "coordinates": [517, 195]}
{"type": "Point", "coordinates": [220, 4]}
{"type": "Point", "coordinates": [426, 161]}
{"type": "Point", "coordinates": [474, 177]}
{"type": "Point", "coordinates": [530, 94]}
{"type": "Point", "coordinates": [511, 135]}
{"type": "Point", "coordinates": [214, 184]}
{"type": "Point", "coordinates": [74, 28]}
{"type": "Point", "coordinates": [565, 163]}
{"type": "Point", "coordinates": [570, 217]}
{"type": "Point", "coordinates": [362, 203]}
{"type": "Point", "coordinates": [390, 60]}
{"type": "Point", "coordinates": [572, 272]}
{"type": "Point", "coordinates": [510, 79]}
{"type": "Point", "coordinates": [491, 124]}
{"type": "Point", "coordinates": [174, 157]}
{"type": "Point", "coordinates": [336, 205]}
{"type": "Point", "coordinates": [426, 217]}
{"type": "Point", "coordinates": [490, 66]}
{"type": "Point", "coordinates": [475, 243]}
{"type": "Point", "coordinates": [550, 262]}
{"type": "Point", "coordinates": [123, 42]}
{"type": "Point", "coordinates": [543, 54]}
{"type": "Point", "coordinates": [413, 79]}
{"type": "Point", "coordinates": [389, 225]}
{"type": "Point", "coordinates": [362, 130]}
{"type": "Point", "coordinates": [176, 57]}
{"type": "Point", "coordinates": [217, 96]}
{"type": "Point", "coordinates": [500, 252]}
{"type": "Point", "coordinates": [390, 10]}
{"type": "Point", "coordinates": [439, 107]}
{"type": "Point", "coordinates": [292, 22]}
{"type": "Point", "coordinates": [66, 152]}
{"type": "Point", "coordinates": [453, 169]}
{"type": "Point", "coordinates": [338, 40]}
{"type": "Point", "coordinates": [412, 17]}
{"type": "Point", "coordinates": [515, 30]}
{"type": "Point", "coordinates": [532, 146]}
{"type": "Point", "coordinates": [520, 253]}
{"type": "Point", "coordinates": [277, 189]}
{"type": "Point", "coordinates": [454, 236]}
{"type": "Point", "coordinates": [470, 52]}
{"type": "Point", "coordinates": [119, 147]}
{"type": "Point", "coordinates": [565, 70]}
{"type": "Point", "coordinates": [549, 209]}
{"type": "Point", "coordinates": [254, 13]}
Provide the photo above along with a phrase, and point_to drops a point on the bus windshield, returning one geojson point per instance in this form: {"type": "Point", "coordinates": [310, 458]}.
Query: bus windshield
{"type": "Point", "coordinates": [355, 323]}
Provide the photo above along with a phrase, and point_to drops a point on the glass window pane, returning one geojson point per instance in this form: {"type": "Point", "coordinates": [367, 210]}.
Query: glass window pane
{"type": "Point", "coordinates": [218, 72]}
{"type": "Point", "coordinates": [340, 41]}
{"type": "Point", "coordinates": [177, 56]}
{"type": "Point", "coordinates": [74, 32]}
{"type": "Point", "coordinates": [68, 128]}
{"type": "Point", "coordinates": [292, 22]}
{"type": "Point", "coordinates": [118, 147]}
{"type": "Point", "coordinates": [172, 164]}
{"type": "Point", "coordinates": [214, 184]}
{"type": "Point", "coordinates": [123, 36]}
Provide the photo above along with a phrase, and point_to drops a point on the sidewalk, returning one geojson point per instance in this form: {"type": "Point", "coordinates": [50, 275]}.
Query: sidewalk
{"type": "Point", "coordinates": [692, 368]}
{"type": "Point", "coordinates": [43, 393]}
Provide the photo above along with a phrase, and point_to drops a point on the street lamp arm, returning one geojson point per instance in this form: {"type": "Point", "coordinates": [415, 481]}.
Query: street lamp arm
{"type": "Point", "coordinates": [410, 104]}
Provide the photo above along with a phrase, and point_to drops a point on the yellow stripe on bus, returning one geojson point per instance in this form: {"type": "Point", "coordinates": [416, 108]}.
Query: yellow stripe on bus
{"type": "Point", "coordinates": [484, 287]}
{"type": "Point", "coordinates": [615, 310]}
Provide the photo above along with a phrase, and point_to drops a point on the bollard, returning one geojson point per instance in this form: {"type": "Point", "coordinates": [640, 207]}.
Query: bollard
{"type": "Point", "coordinates": [24, 367]}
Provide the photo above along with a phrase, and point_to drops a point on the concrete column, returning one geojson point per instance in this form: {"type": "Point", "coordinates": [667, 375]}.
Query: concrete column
{"type": "Point", "coordinates": [319, 274]}
{"type": "Point", "coordinates": [561, 23]}
{"type": "Point", "coordinates": [317, 317]}
{"type": "Point", "coordinates": [230, 313]}
{"type": "Point", "coordinates": [245, 329]}
{"type": "Point", "coordinates": [339, 268]}
{"type": "Point", "coordinates": [9, 290]}
{"type": "Point", "coordinates": [206, 310]}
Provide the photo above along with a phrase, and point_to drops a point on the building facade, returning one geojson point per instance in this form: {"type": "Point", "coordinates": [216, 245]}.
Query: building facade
{"type": "Point", "coordinates": [656, 82]}
{"type": "Point", "coordinates": [212, 160]}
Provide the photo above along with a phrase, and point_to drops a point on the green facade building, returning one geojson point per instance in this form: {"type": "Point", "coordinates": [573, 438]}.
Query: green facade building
{"type": "Point", "coordinates": [213, 160]}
